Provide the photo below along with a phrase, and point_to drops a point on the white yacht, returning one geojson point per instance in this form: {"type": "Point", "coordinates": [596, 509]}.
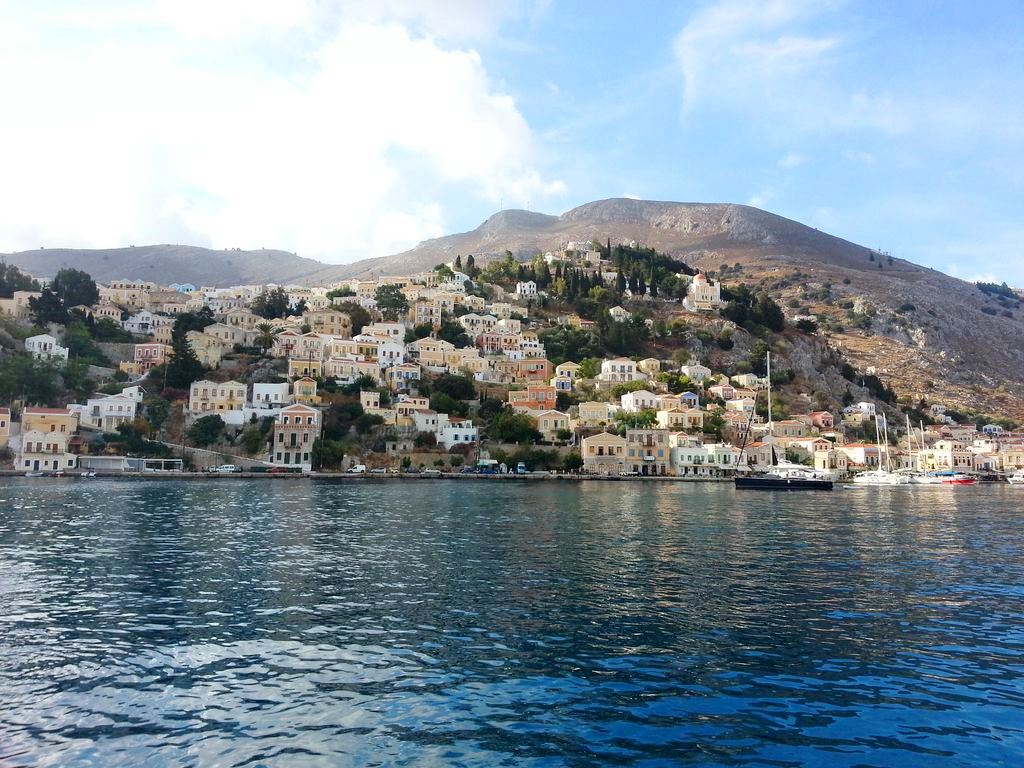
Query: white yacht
{"type": "Point", "coordinates": [1017, 478]}
{"type": "Point", "coordinates": [881, 477]}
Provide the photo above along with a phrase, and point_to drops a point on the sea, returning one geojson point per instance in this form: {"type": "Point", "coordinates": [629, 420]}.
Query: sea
{"type": "Point", "coordinates": [478, 623]}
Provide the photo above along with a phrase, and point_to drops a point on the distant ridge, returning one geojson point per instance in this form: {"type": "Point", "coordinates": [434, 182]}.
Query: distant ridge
{"type": "Point", "coordinates": [167, 264]}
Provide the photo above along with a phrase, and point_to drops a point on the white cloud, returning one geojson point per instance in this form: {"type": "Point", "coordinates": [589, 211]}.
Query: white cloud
{"type": "Point", "coordinates": [338, 151]}
{"type": "Point", "coordinates": [762, 198]}
{"type": "Point", "coordinates": [792, 160]}
{"type": "Point", "coordinates": [859, 156]}
{"type": "Point", "coordinates": [757, 58]}
{"type": "Point", "coordinates": [735, 44]}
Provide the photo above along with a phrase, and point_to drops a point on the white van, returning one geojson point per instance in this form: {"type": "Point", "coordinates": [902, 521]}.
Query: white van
{"type": "Point", "coordinates": [224, 468]}
{"type": "Point", "coordinates": [356, 468]}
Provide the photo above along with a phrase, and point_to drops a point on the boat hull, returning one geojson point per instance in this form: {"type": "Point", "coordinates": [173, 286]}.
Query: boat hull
{"type": "Point", "coordinates": [770, 483]}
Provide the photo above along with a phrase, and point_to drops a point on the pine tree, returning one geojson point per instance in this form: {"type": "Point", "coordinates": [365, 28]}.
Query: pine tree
{"type": "Point", "coordinates": [620, 281]}
{"type": "Point", "coordinates": [183, 367]}
{"type": "Point", "coordinates": [458, 262]}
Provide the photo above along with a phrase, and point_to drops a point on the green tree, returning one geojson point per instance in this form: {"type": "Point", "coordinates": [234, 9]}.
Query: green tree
{"type": "Point", "coordinates": [183, 367]}
{"type": "Point", "coordinates": [511, 427]}
{"type": "Point", "coordinates": [75, 287]}
{"type": "Point", "coordinates": [272, 304]}
{"type": "Point", "coordinates": [37, 382]}
{"type": "Point", "coordinates": [206, 430]}
{"type": "Point", "coordinates": [455, 385]}
{"type": "Point", "coordinates": [105, 329]}
{"type": "Point", "coordinates": [13, 279]}
{"type": "Point", "coordinates": [357, 313]}
{"type": "Point", "coordinates": [391, 302]}
{"type": "Point", "coordinates": [193, 321]}
{"type": "Point", "coordinates": [81, 346]}
{"type": "Point", "coordinates": [157, 410]}
{"type": "Point", "coordinates": [266, 333]}
{"type": "Point", "coordinates": [590, 367]}
{"type": "Point", "coordinates": [340, 292]}
{"type": "Point", "coordinates": [445, 403]}
{"type": "Point", "coordinates": [572, 461]}
{"type": "Point", "coordinates": [47, 308]}
{"type": "Point", "coordinates": [365, 422]}
{"type": "Point", "coordinates": [453, 332]}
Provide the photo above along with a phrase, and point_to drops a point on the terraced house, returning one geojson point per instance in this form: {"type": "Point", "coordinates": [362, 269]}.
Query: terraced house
{"type": "Point", "coordinates": [296, 427]}
{"type": "Point", "coordinates": [208, 397]}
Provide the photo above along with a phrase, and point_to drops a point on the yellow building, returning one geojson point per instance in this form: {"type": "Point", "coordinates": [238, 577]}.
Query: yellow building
{"type": "Point", "coordinates": [208, 397]}
{"type": "Point", "coordinates": [304, 391]}
{"type": "Point", "coordinates": [603, 454]}
{"type": "Point", "coordinates": [17, 306]}
{"type": "Point", "coordinates": [297, 368]}
{"type": "Point", "coordinates": [208, 348]}
{"type": "Point", "coordinates": [329, 322]}
{"type": "Point", "coordinates": [5, 426]}
{"type": "Point", "coordinates": [58, 420]}
{"type": "Point", "coordinates": [550, 423]}
{"type": "Point", "coordinates": [681, 419]}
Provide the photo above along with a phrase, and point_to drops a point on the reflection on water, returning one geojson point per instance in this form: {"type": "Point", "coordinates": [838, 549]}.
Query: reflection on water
{"type": "Point", "coordinates": [450, 623]}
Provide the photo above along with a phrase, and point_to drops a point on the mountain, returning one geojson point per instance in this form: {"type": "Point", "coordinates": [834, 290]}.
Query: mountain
{"type": "Point", "coordinates": [165, 264]}
{"type": "Point", "coordinates": [676, 228]}
{"type": "Point", "coordinates": [926, 333]}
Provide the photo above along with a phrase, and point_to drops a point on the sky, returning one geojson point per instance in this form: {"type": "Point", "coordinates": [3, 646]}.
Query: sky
{"type": "Point", "coordinates": [347, 130]}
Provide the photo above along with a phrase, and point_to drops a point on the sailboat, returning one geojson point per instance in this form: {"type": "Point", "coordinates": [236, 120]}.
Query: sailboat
{"type": "Point", "coordinates": [916, 476]}
{"type": "Point", "coordinates": [885, 477]}
{"type": "Point", "coordinates": [933, 478]}
{"type": "Point", "coordinates": [784, 475]}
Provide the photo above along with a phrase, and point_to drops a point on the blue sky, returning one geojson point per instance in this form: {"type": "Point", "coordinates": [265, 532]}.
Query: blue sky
{"type": "Point", "coordinates": [350, 130]}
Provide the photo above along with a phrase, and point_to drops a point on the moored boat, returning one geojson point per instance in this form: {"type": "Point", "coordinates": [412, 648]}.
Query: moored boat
{"type": "Point", "coordinates": [881, 477]}
{"type": "Point", "coordinates": [953, 478]}
{"type": "Point", "coordinates": [783, 475]}
{"type": "Point", "coordinates": [1017, 478]}
{"type": "Point", "coordinates": [785, 479]}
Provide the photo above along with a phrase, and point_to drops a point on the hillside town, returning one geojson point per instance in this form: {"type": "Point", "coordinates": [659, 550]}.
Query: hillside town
{"type": "Point", "coordinates": [508, 368]}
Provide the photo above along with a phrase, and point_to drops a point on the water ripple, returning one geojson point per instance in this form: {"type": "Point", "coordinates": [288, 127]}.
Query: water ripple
{"type": "Point", "coordinates": [314, 624]}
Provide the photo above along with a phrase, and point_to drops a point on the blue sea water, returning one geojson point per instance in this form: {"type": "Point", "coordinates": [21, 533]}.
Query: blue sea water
{"type": "Point", "coordinates": [439, 623]}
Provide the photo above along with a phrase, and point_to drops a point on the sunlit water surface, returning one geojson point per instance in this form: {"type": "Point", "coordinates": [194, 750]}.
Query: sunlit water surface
{"type": "Point", "coordinates": [299, 623]}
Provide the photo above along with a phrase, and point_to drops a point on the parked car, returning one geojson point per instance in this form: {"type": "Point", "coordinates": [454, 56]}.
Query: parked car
{"type": "Point", "coordinates": [278, 470]}
{"type": "Point", "coordinates": [379, 471]}
{"type": "Point", "coordinates": [521, 468]}
{"type": "Point", "coordinates": [467, 471]}
{"type": "Point", "coordinates": [224, 468]}
{"type": "Point", "coordinates": [432, 472]}
{"type": "Point", "coordinates": [357, 468]}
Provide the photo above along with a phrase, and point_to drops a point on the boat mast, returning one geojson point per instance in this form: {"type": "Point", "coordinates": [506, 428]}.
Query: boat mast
{"type": "Point", "coordinates": [768, 367]}
{"type": "Point", "coordinates": [910, 442]}
{"type": "Point", "coordinates": [885, 429]}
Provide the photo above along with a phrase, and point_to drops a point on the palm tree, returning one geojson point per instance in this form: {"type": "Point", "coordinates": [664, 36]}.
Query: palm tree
{"type": "Point", "coordinates": [267, 333]}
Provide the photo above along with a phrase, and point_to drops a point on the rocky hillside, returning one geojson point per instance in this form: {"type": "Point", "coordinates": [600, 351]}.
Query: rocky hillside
{"type": "Point", "coordinates": [167, 264]}
{"type": "Point", "coordinates": [924, 332]}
